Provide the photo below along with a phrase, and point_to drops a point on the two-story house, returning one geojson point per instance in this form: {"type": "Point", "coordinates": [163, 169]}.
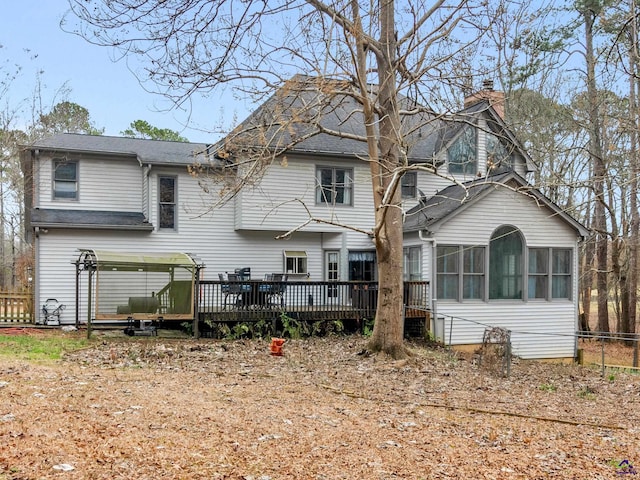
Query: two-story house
{"type": "Point", "coordinates": [495, 251]}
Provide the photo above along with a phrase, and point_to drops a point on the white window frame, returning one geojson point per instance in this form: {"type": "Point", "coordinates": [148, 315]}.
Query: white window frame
{"type": "Point", "coordinates": [347, 186]}
{"type": "Point", "coordinates": [55, 181]}
{"type": "Point", "coordinates": [409, 181]}
{"type": "Point", "coordinates": [174, 203]}
{"type": "Point", "coordinates": [295, 262]}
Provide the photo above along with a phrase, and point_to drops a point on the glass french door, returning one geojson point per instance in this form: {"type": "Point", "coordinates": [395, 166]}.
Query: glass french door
{"type": "Point", "coordinates": [332, 272]}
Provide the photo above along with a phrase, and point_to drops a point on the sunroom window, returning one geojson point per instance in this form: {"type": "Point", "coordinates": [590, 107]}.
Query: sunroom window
{"type": "Point", "coordinates": [549, 267]}
{"type": "Point", "coordinates": [561, 273]}
{"type": "Point", "coordinates": [505, 264]}
{"type": "Point", "coordinates": [461, 272]}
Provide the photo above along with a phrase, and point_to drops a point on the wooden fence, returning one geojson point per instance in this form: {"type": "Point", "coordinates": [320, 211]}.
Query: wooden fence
{"type": "Point", "coordinates": [16, 307]}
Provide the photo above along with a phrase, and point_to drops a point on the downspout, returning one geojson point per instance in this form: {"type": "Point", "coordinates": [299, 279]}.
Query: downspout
{"type": "Point", "coordinates": [432, 281]}
{"type": "Point", "coordinates": [146, 202]}
{"type": "Point", "coordinates": [35, 200]}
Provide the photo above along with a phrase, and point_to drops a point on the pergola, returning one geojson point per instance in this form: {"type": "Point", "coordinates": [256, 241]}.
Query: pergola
{"type": "Point", "coordinates": [126, 286]}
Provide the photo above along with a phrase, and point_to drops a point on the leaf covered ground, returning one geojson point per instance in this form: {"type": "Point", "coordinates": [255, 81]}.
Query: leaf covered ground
{"type": "Point", "coordinates": [161, 408]}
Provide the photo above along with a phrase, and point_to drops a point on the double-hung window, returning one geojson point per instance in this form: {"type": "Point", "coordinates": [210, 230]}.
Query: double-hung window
{"type": "Point", "coordinates": [334, 186]}
{"type": "Point", "coordinates": [409, 185]}
{"type": "Point", "coordinates": [412, 263]}
{"type": "Point", "coordinates": [65, 180]}
{"type": "Point", "coordinates": [167, 203]}
{"type": "Point", "coordinates": [473, 272]}
{"type": "Point", "coordinates": [549, 273]}
{"type": "Point", "coordinates": [538, 286]}
{"type": "Point", "coordinates": [561, 265]}
{"type": "Point", "coordinates": [461, 272]}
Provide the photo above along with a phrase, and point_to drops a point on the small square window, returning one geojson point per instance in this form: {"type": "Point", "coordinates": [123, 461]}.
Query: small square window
{"type": "Point", "coordinates": [295, 262]}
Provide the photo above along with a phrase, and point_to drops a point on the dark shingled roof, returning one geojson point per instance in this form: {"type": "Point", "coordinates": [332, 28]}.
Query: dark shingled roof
{"type": "Point", "coordinates": [439, 206]}
{"type": "Point", "coordinates": [300, 114]}
{"type": "Point", "coordinates": [147, 151]}
{"type": "Point", "coordinates": [90, 219]}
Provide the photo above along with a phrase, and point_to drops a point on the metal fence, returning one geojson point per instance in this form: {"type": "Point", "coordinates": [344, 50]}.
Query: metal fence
{"type": "Point", "coordinates": [609, 349]}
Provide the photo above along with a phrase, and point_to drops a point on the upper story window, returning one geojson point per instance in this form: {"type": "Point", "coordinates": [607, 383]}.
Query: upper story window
{"type": "Point", "coordinates": [167, 202]}
{"type": "Point", "coordinates": [498, 155]}
{"type": "Point", "coordinates": [462, 154]}
{"type": "Point", "coordinates": [65, 180]}
{"type": "Point", "coordinates": [334, 186]}
{"type": "Point", "coordinates": [409, 185]}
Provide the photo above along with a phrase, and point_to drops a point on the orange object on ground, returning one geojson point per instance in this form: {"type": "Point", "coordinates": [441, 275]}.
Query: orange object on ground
{"type": "Point", "coordinates": [276, 346]}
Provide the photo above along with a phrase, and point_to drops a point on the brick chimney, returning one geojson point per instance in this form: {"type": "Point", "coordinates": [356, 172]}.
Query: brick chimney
{"type": "Point", "coordinates": [495, 98]}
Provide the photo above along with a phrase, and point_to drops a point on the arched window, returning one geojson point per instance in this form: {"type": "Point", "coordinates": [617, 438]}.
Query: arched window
{"type": "Point", "coordinates": [506, 264]}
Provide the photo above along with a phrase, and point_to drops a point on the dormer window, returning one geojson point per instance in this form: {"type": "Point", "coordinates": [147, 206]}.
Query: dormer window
{"type": "Point", "coordinates": [497, 153]}
{"type": "Point", "coordinates": [462, 154]}
{"type": "Point", "coordinates": [65, 180]}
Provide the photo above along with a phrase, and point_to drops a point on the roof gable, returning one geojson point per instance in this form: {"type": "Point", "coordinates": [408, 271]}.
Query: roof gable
{"type": "Point", "coordinates": [314, 115]}
{"type": "Point", "coordinates": [431, 212]}
{"type": "Point", "coordinates": [311, 115]}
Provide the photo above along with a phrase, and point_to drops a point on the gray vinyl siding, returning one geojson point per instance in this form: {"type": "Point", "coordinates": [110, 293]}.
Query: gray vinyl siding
{"type": "Point", "coordinates": [269, 205]}
{"type": "Point", "coordinates": [208, 234]}
{"type": "Point", "coordinates": [242, 234]}
{"type": "Point", "coordinates": [539, 225]}
{"type": "Point", "coordinates": [540, 329]}
{"type": "Point", "coordinates": [113, 184]}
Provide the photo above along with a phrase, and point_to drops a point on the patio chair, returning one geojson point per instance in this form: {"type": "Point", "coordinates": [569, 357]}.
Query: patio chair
{"type": "Point", "coordinates": [275, 296]}
{"type": "Point", "coordinates": [237, 290]}
{"type": "Point", "coordinates": [224, 288]}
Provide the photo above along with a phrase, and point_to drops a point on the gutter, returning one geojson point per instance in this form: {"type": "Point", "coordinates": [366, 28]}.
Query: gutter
{"type": "Point", "coordinates": [42, 228]}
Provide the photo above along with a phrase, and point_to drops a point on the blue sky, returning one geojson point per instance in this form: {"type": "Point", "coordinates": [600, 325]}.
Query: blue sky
{"type": "Point", "coordinates": [107, 89]}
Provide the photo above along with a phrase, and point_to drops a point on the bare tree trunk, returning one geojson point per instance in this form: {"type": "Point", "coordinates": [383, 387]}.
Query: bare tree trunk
{"type": "Point", "coordinates": [388, 329]}
{"type": "Point", "coordinates": [599, 173]}
{"type": "Point", "coordinates": [3, 229]}
{"type": "Point", "coordinates": [634, 227]}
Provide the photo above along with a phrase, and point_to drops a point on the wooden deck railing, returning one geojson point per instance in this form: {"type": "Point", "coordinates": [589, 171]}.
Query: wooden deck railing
{"type": "Point", "coordinates": [253, 300]}
{"type": "Point", "coordinates": [16, 307]}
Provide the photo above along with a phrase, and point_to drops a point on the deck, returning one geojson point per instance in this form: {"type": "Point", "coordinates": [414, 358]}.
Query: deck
{"type": "Point", "coordinates": [251, 301]}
